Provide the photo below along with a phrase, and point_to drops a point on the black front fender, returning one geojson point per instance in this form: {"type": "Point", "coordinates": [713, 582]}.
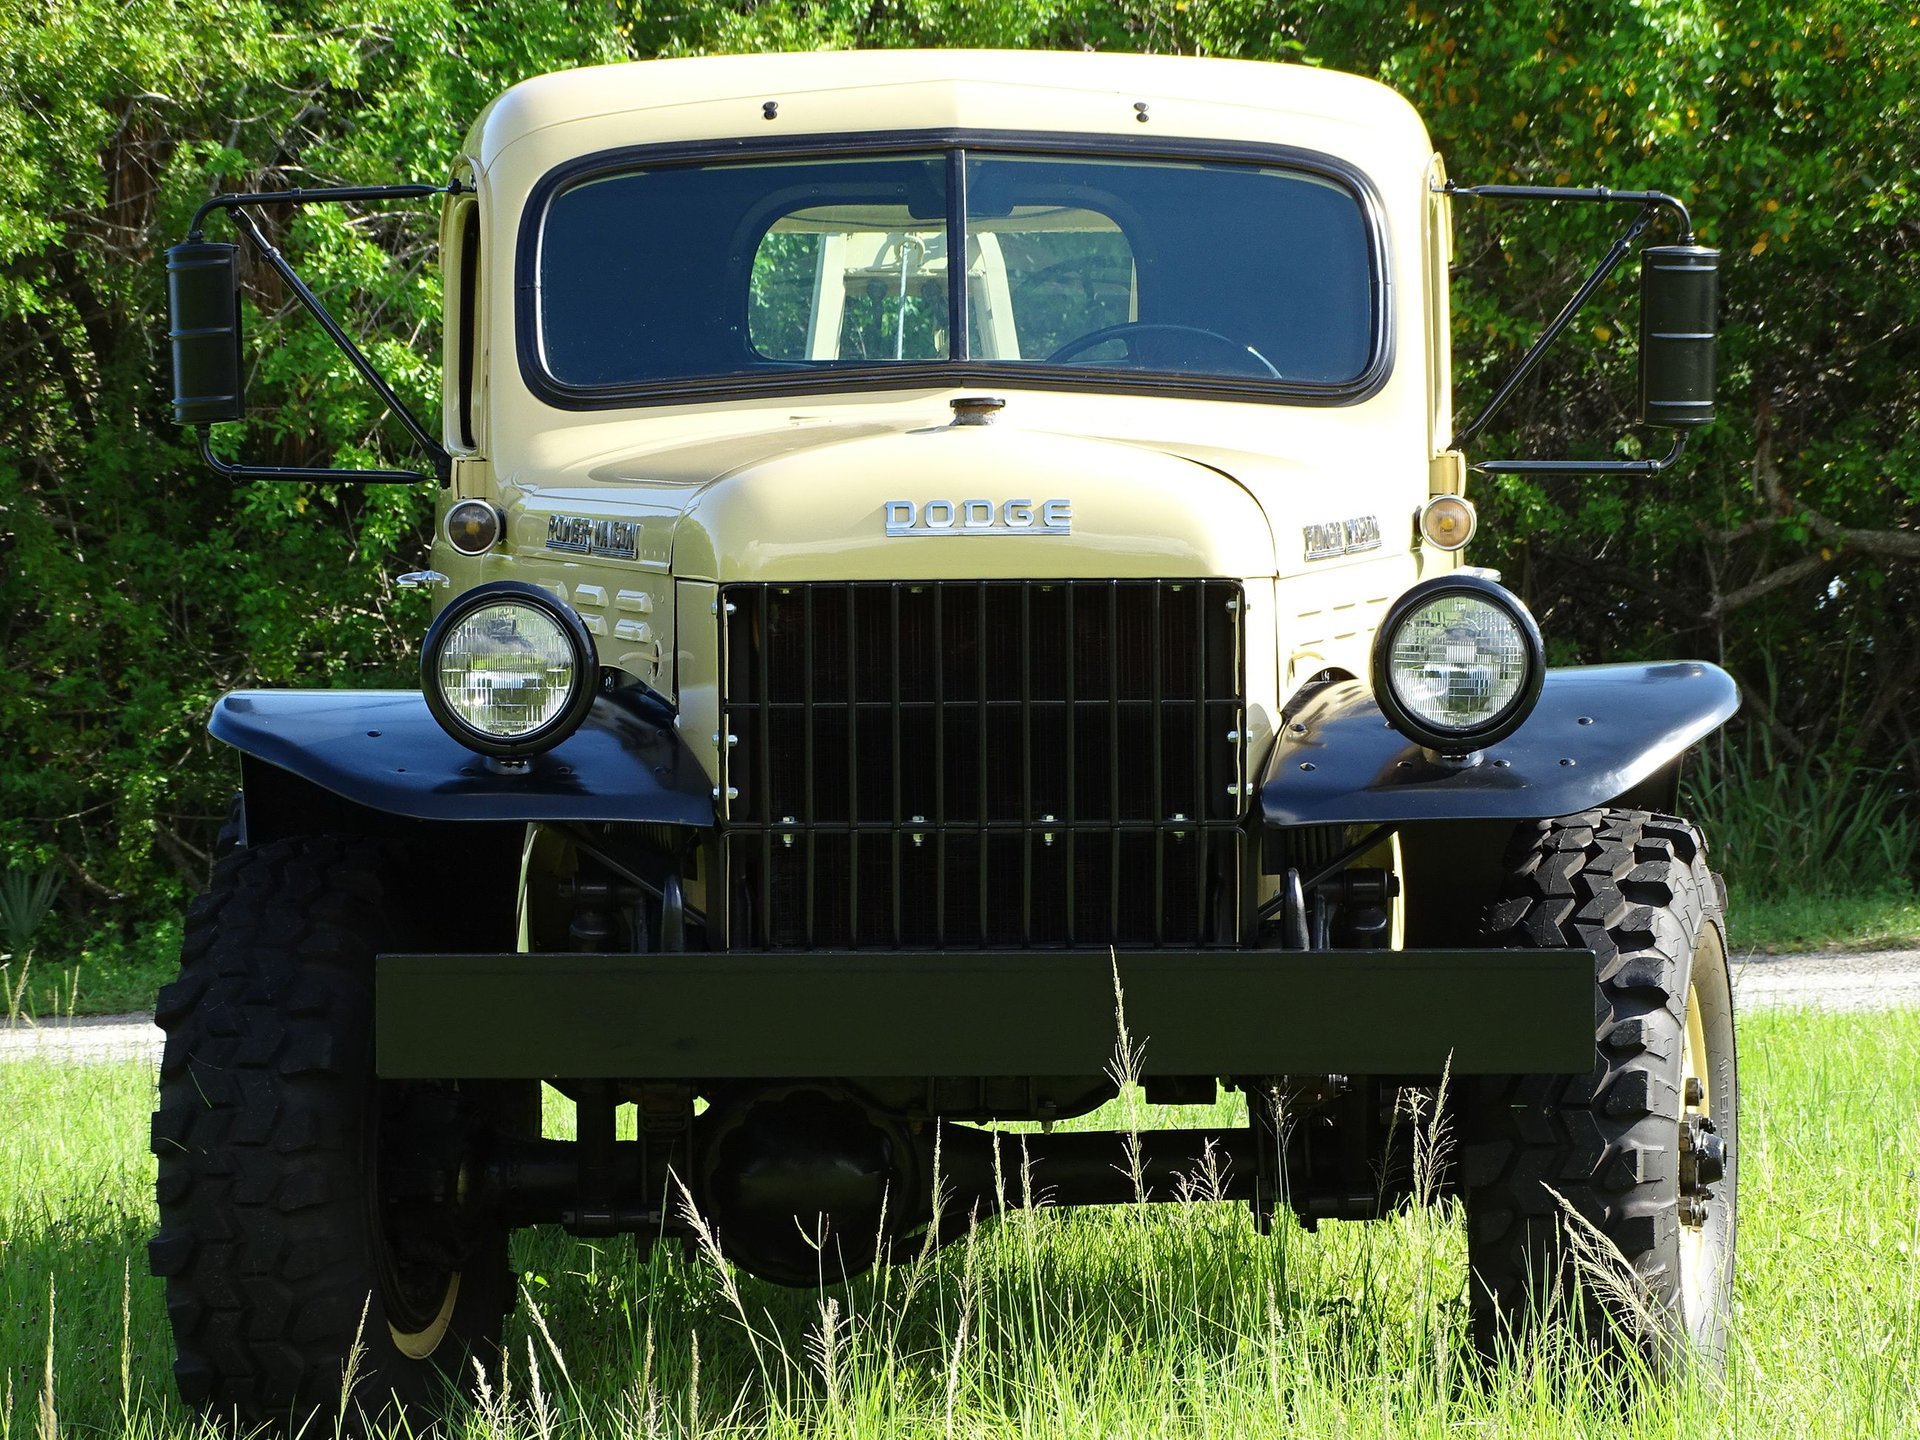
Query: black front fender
{"type": "Point", "coordinates": [380, 749]}
{"type": "Point", "coordinates": [1597, 731]}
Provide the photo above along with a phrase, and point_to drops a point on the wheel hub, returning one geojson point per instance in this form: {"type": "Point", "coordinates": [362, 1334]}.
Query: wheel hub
{"type": "Point", "coordinates": [1703, 1163]}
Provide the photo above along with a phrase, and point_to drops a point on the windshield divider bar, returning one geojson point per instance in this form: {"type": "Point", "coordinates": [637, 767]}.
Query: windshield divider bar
{"type": "Point", "coordinates": [959, 322]}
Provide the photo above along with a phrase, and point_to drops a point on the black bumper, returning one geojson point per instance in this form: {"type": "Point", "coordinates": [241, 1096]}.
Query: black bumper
{"type": "Point", "coordinates": [870, 1014]}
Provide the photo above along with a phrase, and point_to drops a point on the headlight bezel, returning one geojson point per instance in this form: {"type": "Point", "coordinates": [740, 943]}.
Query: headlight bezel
{"type": "Point", "coordinates": [1510, 718]}
{"type": "Point", "coordinates": [488, 515]}
{"type": "Point", "coordinates": [564, 721]}
{"type": "Point", "coordinates": [1432, 530]}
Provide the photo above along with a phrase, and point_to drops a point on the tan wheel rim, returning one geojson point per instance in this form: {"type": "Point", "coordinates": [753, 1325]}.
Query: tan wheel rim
{"type": "Point", "coordinates": [1704, 1218]}
{"type": "Point", "coordinates": [421, 1343]}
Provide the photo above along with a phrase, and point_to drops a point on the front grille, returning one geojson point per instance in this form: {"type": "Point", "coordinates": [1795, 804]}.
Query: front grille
{"type": "Point", "coordinates": [962, 764]}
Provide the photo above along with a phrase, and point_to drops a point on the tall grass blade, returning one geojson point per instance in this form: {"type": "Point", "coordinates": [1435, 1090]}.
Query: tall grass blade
{"type": "Point", "coordinates": [47, 1420]}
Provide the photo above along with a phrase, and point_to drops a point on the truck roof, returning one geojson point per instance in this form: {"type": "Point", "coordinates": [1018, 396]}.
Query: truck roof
{"type": "Point", "coordinates": [826, 92]}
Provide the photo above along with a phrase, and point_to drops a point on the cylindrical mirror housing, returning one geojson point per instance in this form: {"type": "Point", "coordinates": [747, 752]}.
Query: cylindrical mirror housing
{"type": "Point", "coordinates": [1679, 334]}
{"type": "Point", "coordinates": [203, 308]}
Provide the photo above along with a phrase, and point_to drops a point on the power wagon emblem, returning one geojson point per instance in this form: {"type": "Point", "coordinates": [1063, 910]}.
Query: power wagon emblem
{"type": "Point", "coordinates": [1341, 537]}
{"type": "Point", "coordinates": [578, 535]}
{"type": "Point", "coordinates": [980, 517]}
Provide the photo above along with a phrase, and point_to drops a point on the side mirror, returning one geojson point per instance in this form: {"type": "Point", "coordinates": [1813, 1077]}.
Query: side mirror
{"type": "Point", "coordinates": [203, 308]}
{"type": "Point", "coordinates": [1679, 334]}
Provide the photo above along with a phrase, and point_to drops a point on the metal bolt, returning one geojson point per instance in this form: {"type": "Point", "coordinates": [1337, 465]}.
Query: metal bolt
{"type": "Point", "coordinates": [1696, 1092]}
{"type": "Point", "coordinates": [730, 608]}
{"type": "Point", "coordinates": [1306, 765]}
{"type": "Point", "coordinates": [787, 840]}
{"type": "Point", "coordinates": [1233, 737]}
{"type": "Point", "coordinates": [1233, 606]}
{"type": "Point", "coordinates": [1298, 728]}
{"type": "Point", "coordinates": [918, 839]}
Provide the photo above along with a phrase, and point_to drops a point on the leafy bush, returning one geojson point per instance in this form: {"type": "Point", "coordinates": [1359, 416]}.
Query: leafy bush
{"type": "Point", "coordinates": [138, 587]}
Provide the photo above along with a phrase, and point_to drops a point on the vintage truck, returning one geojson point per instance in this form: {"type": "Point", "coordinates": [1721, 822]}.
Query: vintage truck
{"type": "Point", "coordinates": [937, 552]}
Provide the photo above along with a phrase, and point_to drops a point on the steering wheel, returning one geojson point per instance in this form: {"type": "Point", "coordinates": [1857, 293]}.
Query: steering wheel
{"type": "Point", "coordinates": [1129, 330]}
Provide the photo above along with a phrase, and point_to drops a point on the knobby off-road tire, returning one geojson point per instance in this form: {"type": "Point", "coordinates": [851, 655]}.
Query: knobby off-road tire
{"type": "Point", "coordinates": [289, 1235]}
{"type": "Point", "coordinates": [1649, 1159]}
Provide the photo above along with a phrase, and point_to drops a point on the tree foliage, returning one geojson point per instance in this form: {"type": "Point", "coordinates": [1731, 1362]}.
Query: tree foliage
{"type": "Point", "coordinates": [137, 586]}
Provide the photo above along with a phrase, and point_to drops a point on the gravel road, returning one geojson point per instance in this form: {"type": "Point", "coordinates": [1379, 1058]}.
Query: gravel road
{"type": "Point", "coordinates": [1839, 980]}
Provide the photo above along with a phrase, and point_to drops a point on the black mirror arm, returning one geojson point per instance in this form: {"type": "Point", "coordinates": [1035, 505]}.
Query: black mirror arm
{"type": "Point", "coordinates": [1651, 203]}
{"type": "Point", "coordinates": [436, 452]}
{"type": "Point", "coordinates": [326, 195]}
{"type": "Point", "coordinates": [303, 472]}
{"type": "Point", "coordinates": [1594, 194]}
{"type": "Point", "coordinates": [1586, 467]}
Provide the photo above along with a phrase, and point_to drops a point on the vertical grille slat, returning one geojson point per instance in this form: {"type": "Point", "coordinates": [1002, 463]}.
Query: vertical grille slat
{"type": "Point", "coordinates": [1159, 749]}
{"type": "Point", "coordinates": [854, 911]}
{"type": "Point", "coordinates": [980, 643]}
{"type": "Point", "coordinates": [896, 755]}
{"type": "Point", "coordinates": [1070, 729]}
{"type": "Point", "coordinates": [807, 673]}
{"type": "Point", "coordinates": [1026, 760]}
{"type": "Point", "coordinates": [982, 763]}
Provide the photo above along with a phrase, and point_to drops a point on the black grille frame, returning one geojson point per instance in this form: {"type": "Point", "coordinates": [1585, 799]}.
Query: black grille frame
{"type": "Point", "coordinates": [983, 764]}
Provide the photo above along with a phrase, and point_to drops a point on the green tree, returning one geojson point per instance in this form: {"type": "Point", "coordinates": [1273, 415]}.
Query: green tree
{"type": "Point", "coordinates": [137, 587]}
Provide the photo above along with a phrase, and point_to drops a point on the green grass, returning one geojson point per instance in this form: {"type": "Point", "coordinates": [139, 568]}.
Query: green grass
{"type": "Point", "coordinates": [1792, 922]}
{"type": "Point", "coordinates": [112, 978]}
{"type": "Point", "coordinates": [1137, 1321]}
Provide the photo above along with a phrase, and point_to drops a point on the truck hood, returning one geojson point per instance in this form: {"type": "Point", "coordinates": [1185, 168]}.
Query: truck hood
{"type": "Point", "coordinates": [813, 501]}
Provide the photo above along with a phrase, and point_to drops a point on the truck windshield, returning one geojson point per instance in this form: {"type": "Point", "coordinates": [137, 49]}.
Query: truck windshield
{"type": "Point", "coordinates": [1073, 267]}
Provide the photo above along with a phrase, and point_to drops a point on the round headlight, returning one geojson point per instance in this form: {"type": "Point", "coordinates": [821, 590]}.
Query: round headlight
{"type": "Point", "coordinates": [1458, 663]}
{"type": "Point", "coordinates": [507, 669]}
